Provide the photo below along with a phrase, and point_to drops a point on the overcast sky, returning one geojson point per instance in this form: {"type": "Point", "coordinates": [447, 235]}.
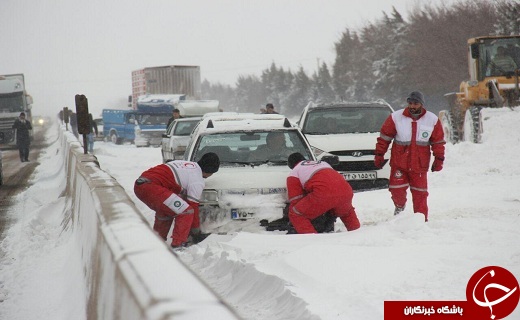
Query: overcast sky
{"type": "Point", "coordinates": [69, 47]}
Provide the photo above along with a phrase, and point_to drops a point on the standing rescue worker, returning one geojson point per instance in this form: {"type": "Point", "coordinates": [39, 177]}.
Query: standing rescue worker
{"type": "Point", "coordinates": [416, 134]}
{"type": "Point", "coordinates": [314, 188]}
{"type": "Point", "coordinates": [173, 191]}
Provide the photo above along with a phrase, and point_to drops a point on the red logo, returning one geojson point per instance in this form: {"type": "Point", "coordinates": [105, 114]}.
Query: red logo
{"type": "Point", "coordinates": [492, 293]}
{"type": "Point", "coordinates": [493, 290]}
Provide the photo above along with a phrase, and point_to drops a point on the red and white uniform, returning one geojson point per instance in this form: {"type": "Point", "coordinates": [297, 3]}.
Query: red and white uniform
{"type": "Point", "coordinates": [315, 188]}
{"type": "Point", "coordinates": [414, 141]}
{"type": "Point", "coordinates": [173, 191]}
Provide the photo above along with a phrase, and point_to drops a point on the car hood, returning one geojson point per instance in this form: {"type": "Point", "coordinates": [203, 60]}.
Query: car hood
{"type": "Point", "coordinates": [345, 141]}
{"type": "Point", "coordinates": [247, 177]}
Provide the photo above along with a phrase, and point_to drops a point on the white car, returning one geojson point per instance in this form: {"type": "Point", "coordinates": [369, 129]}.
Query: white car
{"type": "Point", "coordinates": [349, 130]}
{"type": "Point", "coordinates": [250, 185]}
{"type": "Point", "coordinates": [177, 137]}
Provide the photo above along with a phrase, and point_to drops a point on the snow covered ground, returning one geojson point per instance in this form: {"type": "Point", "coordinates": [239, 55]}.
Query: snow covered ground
{"type": "Point", "coordinates": [474, 222]}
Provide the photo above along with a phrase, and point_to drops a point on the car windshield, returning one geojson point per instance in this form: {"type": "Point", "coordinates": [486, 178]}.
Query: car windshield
{"type": "Point", "coordinates": [154, 119]}
{"type": "Point", "coordinates": [184, 128]}
{"type": "Point", "coordinates": [345, 120]}
{"type": "Point", "coordinates": [253, 148]}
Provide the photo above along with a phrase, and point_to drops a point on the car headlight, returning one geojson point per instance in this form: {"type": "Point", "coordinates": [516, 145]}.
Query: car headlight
{"type": "Point", "coordinates": [209, 197]}
{"type": "Point", "coordinates": [40, 121]}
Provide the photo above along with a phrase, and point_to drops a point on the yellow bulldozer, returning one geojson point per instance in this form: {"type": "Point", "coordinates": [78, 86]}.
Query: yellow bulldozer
{"type": "Point", "coordinates": [494, 69]}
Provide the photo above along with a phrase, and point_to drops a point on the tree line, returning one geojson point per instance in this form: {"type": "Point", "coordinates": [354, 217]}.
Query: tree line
{"type": "Point", "coordinates": [385, 59]}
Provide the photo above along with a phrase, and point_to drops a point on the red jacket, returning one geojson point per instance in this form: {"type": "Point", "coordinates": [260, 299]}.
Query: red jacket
{"type": "Point", "coordinates": [414, 140]}
{"type": "Point", "coordinates": [183, 178]}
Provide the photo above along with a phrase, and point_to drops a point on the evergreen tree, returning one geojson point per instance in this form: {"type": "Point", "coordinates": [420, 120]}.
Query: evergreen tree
{"type": "Point", "coordinates": [299, 95]}
{"type": "Point", "coordinates": [347, 56]}
{"type": "Point", "coordinates": [322, 89]}
{"type": "Point", "coordinates": [508, 20]}
{"type": "Point", "coordinates": [388, 60]}
{"type": "Point", "coordinates": [249, 94]}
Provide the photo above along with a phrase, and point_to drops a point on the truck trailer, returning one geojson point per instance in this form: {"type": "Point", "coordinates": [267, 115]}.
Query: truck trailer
{"type": "Point", "coordinates": [13, 100]}
{"type": "Point", "coordinates": [184, 80]}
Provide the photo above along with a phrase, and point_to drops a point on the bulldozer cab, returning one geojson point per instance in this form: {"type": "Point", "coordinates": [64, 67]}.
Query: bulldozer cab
{"type": "Point", "coordinates": [494, 72]}
{"type": "Point", "coordinates": [493, 57]}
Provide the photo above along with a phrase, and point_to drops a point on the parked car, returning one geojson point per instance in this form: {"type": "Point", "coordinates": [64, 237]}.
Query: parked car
{"type": "Point", "coordinates": [349, 130]}
{"type": "Point", "coordinates": [250, 184]}
{"type": "Point", "coordinates": [177, 137]}
{"type": "Point", "coordinates": [119, 125]}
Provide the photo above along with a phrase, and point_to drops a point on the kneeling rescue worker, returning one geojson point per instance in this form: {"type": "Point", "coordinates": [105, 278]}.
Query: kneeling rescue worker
{"type": "Point", "coordinates": [314, 188]}
{"type": "Point", "coordinates": [173, 191]}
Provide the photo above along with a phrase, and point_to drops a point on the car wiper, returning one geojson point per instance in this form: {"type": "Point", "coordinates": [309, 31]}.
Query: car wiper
{"type": "Point", "coordinates": [277, 162]}
{"type": "Point", "coordinates": [245, 163]}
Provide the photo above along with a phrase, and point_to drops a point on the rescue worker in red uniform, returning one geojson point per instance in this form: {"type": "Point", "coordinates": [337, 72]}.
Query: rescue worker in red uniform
{"type": "Point", "coordinates": [416, 134]}
{"type": "Point", "coordinates": [173, 191]}
{"type": "Point", "coordinates": [314, 188]}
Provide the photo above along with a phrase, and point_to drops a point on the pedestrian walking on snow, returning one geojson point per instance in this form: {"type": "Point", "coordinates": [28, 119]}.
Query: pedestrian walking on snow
{"type": "Point", "coordinates": [416, 133]}
{"type": "Point", "coordinates": [23, 137]}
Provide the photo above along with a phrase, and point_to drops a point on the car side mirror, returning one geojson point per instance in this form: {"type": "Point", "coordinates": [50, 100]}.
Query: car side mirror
{"type": "Point", "coordinates": [332, 160]}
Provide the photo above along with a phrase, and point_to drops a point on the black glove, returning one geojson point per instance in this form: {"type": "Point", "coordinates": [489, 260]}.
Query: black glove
{"type": "Point", "coordinates": [379, 161]}
{"type": "Point", "coordinates": [437, 164]}
{"type": "Point", "coordinates": [324, 223]}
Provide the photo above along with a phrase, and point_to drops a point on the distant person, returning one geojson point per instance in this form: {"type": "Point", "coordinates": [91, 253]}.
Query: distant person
{"type": "Point", "coordinates": [73, 120]}
{"type": "Point", "coordinates": [416, 134]}
{"type": "Point", "coordinates": [93, 132]}
{"type": "Point", "coordinates": [173, 191]}
{"type": "Point", "coordinates": [501, 63]}
{"type": "Point", "coordinates": [315, 188]}
{"type": "Point", "coordinates": [23, 137]}
{"type": "Point", "coordinates": [176, 114]}
{"type": "Point", "coordinates": [514, 52]}
{"type": "Point", "coordinates": [269, 109]}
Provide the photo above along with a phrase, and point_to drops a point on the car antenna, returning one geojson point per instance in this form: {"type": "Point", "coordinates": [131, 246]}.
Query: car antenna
{"type": "Point", "coordinates": [286, 123]}
{"type": "Point", "coordinates": [210, 124]}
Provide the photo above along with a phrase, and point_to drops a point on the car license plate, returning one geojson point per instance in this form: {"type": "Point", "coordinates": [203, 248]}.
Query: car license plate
{"type": "Point", "coordinates": [238, 214]}
{"type": "Point", "coordinates": [368, 175]}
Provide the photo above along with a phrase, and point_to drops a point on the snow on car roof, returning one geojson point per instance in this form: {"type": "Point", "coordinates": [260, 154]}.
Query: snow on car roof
{"type": "Point", "coordinates": [188, 119]}
{"type": "Point", "coordinates": [160, 98]}
{"type": "Point", "coordinates": [243, 121]}
{"type": "Point", "coordinates": [351, 104]}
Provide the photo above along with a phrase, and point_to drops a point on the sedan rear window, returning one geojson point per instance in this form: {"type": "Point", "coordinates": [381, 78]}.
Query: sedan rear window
{"type": "Point", "coordinates": [271, 147]}
{"type": "Point", "coordinates": [345, 120]}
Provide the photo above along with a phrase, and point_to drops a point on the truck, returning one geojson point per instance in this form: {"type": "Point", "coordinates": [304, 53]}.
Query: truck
{"type": "Point", "coordinates": [143, 126]}
{"type": "Point", "coordinates": [153, 113]}
{"type": "Point", "coordinates": [173, 79]}
{"type": "Point", "coordinates": [492, 83]}
{"type": "Point", "coordinates": [118, 125]}
{"type": "Point", "coordinates": [14, 99]}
